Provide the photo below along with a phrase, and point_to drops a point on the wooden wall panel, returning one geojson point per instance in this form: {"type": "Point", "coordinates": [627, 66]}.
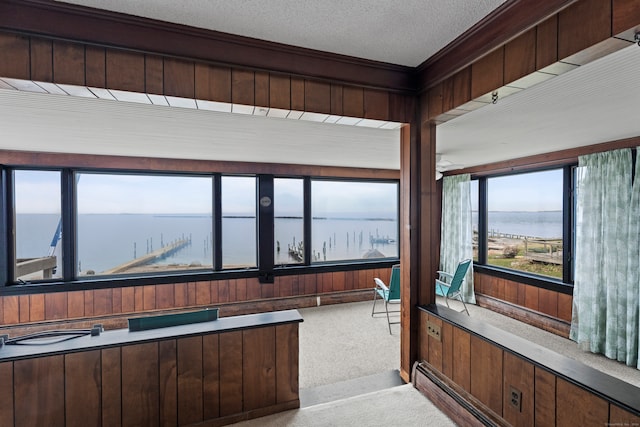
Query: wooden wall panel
{"type": "Point", "coordinates": [486, 373]}
{"type": "Point", "coordinates": [280, 91]}
{"type": "Point", "coordinates": [626, 15]}
{"type": "Point", "coordinates": [231, 380]}
{"type": "Point", "coordinates": [68, 63]}
{"type": "Point", "coordinates": [487, 74]}
{"type": "Point", "coordinates": [435, 346]}
{"type": "Point", "coordinates": [337, 99]}
{"type": "Point", "coordinates": [582, 25]}
{"type": "Point", "coordinates": [125, 71]}
{"type": "Point", "coordinates": [140, 386]}
{"type": "Point", "coordinates": [436, 101]}
{"type": "Point", "coordinates": [447, 349]}
{"type": "Point", "coordinates": [242, 87]}
{"type": "Point", "coordinates": [39, 391]}
{"type": "Point", "coordinates": [456, 90]}
{"type": "Point", "coordinates": [179, 78]}
{"type": "Point", "coordinates": [297, 94]}
{"type": "Point", "coordinates": [23, 310]}
{"type": "Point", "coordinates": [154, 74]}
{"type": "Point", "coordinates": [190, 374]}
{"type": "Point", "coordinates": [41, 60]}
{"type": "Point", "coordinates": [398, 108]}
{"type": "Point", "coordinates": [168, 381]}
{"type": "Point", "coordinates": [578, 407]}
{"type": "Point", "coordinates": [14, 56]}
{"type": "Point", "coordinates": [520, 56]}
{"type": "Point", "coordinates": [287, 363]}
{"type": "Point", "coordinates": [548, 302]}
{"type": "Point", "coordinates": [620, 417]}
{"type": "Point", "coordinates": [317, 97]}
{"type": "Point", "coordinates": [462, 358]}
{"type": "Point", "coordinates": [519, 374]}
{"type": "Point", "coordinates": [82, 389]}
{"type": "Point", "coordinates": [423, 338]}
{"type": "Point", "coordinates": [10, 310]}
{"type": "Point", "coordinates": [532, 298]}
{"type": "Point", "coordinates": [211, 376]}
{"type": "Point", "coordinates": [102, 302]}
{"type": "Point", "coordinates": [165, 296]}
{"type": "Point", "coordinates": [111, 370]}
{"type": "Point", "coordinates": [258, 360]}
{"type": "Point", "coordinates": [547, 42]}
{"type": "Point", "coordinates": [565, 307]}
{"type": "Point", "coordinates": [376, 104]}
{"type": "Point", "coordinates": [545, 398]}
{"type": "Point", "coordinates": [6, 395]}
{"type": "Point", "coordinates": [352, 101]}
{"type": "Point", "coordinates": [95, 66]}
{"type": "Point", "coordinates": [55, 306]}
{"type": "Point", "coordinates": [212, 83]}
{"type": "Point", "coordinates": [262, 89]}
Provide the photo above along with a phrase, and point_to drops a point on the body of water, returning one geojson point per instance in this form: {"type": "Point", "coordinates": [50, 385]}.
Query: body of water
{"type": "Point", "coordinates": [547, 224]}
{"type": "Point", "coordinates": [105, 241]}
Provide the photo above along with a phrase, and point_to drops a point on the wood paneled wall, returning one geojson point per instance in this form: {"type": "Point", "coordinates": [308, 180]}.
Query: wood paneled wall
{"type": "Point", "coordinates": [35, 58]}
{"type": "Point", "coordinates": [24, 309]}
{"type": "Point", "coordinates": [487, 372]}
{"type": "Point", "coordinates": [552, 303]}
{"type": "Point", "coordinates": [182, 381]}
{"type": "Point", "coordinates": [578, 34]}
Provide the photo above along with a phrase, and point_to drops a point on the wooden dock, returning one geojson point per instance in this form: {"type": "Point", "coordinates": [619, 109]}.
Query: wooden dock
{"type": "Point", "coordinates": [150, 257]}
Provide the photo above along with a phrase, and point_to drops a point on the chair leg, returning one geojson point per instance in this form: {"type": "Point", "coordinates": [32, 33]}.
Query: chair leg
{"type": "Point", "coordinates": [446, 300]}
{"type": "Point", "coordinates": [375, 294]}
{"type": "Point", "coordinates": [386, 307]}
{"type": "Point", "coordinates": [464, 305]}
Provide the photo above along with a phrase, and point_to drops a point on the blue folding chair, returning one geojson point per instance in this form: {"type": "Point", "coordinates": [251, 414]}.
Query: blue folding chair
{"type": "Point", "coordinates": [448, 285]}
{"type": "Point", "coordinates": [390, 294]}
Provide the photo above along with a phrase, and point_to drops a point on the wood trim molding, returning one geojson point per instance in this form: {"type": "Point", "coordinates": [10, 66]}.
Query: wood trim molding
{"type": "Point", "coordinates": [505, 23]}
{"type": "Point", "coordinates": [61, 160]}
{"type": "Point", "coordinates": [77, 23]}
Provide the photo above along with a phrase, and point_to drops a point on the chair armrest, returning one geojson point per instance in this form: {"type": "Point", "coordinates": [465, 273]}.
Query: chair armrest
{"type": "Point", "coordinates": [380, 285]}
{"type": "Point", "coordinates": [444, 274]}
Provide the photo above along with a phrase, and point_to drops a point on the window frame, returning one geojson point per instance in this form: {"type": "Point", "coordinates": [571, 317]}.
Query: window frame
{"type": "Point", "coordinates": [70, 281]}
{"type": "Point", "coordinates": [564, 285]}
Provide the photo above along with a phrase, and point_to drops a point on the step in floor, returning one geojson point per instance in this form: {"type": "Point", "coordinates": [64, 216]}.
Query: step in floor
{"type": "Point", "coordinates": [349, 388]}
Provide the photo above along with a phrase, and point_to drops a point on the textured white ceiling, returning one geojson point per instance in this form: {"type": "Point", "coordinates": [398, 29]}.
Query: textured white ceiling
{"type": "Point", "coordinates": [405, 32]}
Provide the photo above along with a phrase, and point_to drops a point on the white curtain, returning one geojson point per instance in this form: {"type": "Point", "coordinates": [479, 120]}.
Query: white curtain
{"type": "Point", "coordinates": [456, 232]}
{"type": "Point", "coordinates": [605, 298]}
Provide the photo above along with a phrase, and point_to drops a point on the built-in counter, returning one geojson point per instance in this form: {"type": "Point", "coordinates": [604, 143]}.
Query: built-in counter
{"type": "Point", "coordinates": [214, 373]}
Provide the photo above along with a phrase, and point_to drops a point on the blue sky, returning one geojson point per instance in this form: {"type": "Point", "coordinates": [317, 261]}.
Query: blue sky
{"type": "Point", "coordinates": [528, 192]}
{"type": "Point", "coordinates": [39, 192]}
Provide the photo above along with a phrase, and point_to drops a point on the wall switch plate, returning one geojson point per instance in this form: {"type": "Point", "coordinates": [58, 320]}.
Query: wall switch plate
{"type": "Point", "coordinates": [515, 398]}
{"type": "Point", "coordinates": [433, 330]}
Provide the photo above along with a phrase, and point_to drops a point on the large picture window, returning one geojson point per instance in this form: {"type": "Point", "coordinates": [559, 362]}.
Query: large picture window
{"type": "Point", "coordinates": [525, 222]}
{"type": "Point", "coordinates": [76, 225]}
{"type": "Point", "coordinates": [38, 225]}
{"type": "Point", "coordinates": [354, 220]}
{"type": "Point", "coordinates": [128, 224]}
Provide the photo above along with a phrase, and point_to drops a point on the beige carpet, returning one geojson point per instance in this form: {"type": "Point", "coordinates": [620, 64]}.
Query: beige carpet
{"type": "Point", "coordinates": [397, 406]}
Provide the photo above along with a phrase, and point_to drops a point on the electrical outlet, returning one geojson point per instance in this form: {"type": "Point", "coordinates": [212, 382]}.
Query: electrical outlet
{"type": "Point", "coordinates": [515, 398]}
{"type": "Point", "coordinates": [433, 330]}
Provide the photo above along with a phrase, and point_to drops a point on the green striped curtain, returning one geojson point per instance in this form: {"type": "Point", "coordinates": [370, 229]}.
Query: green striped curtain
{"type": "Point", "coordinates": [456, 230]}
